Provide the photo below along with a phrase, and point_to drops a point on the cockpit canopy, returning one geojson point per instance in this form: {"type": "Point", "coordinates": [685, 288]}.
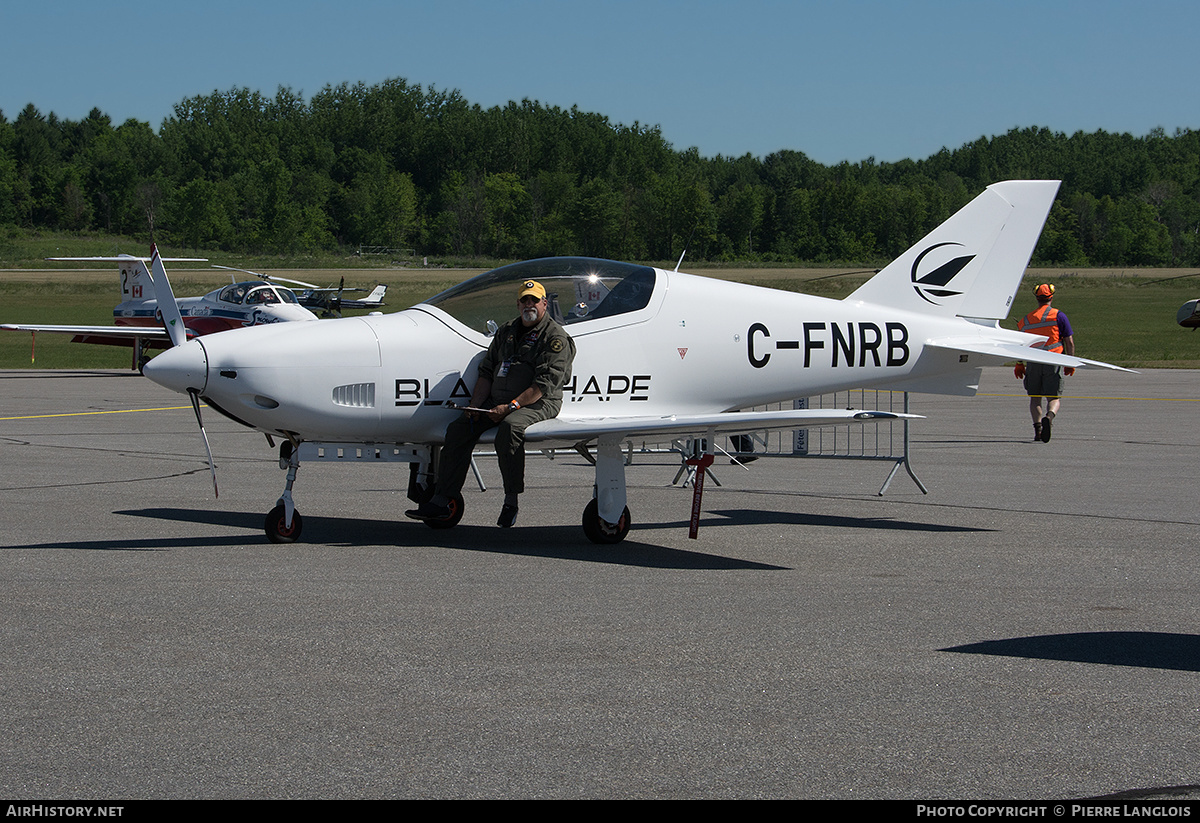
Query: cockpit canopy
{"type": "Point", "coordinates": [256, 294]}
{"type": "Point", "coordinates": [578, 289]}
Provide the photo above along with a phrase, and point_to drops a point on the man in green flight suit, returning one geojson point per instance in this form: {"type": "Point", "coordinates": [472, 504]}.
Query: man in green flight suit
{"type": "Point", "coordinates": [520, 382]}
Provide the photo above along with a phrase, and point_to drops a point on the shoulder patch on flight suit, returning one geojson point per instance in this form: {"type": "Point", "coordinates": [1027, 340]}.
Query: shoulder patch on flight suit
{"type": "Point", "coordinates": [556, 345]}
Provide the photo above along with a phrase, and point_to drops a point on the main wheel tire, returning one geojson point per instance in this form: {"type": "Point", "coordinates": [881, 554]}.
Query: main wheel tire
{"type": "Point", "coordinates": [598, 531]}
{"type": "Point", "coordinates": [277, 532]}
{"type": "Point", "coordinates": [456, 506]}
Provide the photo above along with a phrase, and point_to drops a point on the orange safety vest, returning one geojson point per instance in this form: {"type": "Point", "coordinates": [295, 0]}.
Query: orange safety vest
{"type": "Point", "coordinates": [1044, 321]}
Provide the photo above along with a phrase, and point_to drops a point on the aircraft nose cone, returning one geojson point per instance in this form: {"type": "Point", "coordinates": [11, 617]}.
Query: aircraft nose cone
{"type": "Point", "coordinates": [181, 368]}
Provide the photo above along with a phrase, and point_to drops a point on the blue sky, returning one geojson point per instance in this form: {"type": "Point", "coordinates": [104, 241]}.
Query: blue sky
{"type": "Point", "coordinates": [835, 80]}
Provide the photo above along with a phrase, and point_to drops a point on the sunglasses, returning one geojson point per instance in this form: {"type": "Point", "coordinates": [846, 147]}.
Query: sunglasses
{"type": "Point", "coordinates": [529, 298]}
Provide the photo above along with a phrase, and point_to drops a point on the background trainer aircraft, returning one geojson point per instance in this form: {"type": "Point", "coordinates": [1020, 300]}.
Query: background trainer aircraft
{"type": "Point", "coordinates": [660, 354]}
{"type": "Point", "coordinates": [328, 300]}
{"type": "Point", "coordinates": [137, 319]}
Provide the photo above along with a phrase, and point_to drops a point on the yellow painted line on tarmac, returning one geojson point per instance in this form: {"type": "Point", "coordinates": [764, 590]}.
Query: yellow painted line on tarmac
{"type": "Point", "coordinates": [84, 414]}
{"type": "Point", "coordinates": [1090, 397]}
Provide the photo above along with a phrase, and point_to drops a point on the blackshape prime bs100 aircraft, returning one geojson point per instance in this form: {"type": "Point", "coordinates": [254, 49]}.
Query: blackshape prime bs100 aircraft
{"type": "Point", "coordinates": [660, 354]}
{"type": "Point", "coordinates": [138, 322]}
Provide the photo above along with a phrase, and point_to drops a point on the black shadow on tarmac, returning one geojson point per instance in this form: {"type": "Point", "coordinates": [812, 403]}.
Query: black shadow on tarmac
{"type": "Point", "coordinates": [1149, 650]}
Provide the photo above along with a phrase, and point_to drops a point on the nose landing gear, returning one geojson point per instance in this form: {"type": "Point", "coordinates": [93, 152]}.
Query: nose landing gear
{"type": "Point", "coordinates": [276, 525]}
{"type": "Point", "coordinates": [283, 523]}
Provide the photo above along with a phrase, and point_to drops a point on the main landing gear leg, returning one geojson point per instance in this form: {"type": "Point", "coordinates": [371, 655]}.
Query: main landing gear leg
{"type": "Point", "coordinates": [606, 518]}
{"type": "Point", "coordinates": [283, 523]}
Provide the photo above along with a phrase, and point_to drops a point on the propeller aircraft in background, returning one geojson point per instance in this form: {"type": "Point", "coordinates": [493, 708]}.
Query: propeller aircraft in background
{"type": "Point", "coordinates": [331, 303]}
{"type": "Point", "coordinates": [328, 300]}
{"type": "Point", "coordinates": [137, 318]}
{"type": "Point", "coordinates": [660, 354]}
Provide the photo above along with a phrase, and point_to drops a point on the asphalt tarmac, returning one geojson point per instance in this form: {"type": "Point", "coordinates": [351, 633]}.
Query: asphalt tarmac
{"type": "Point", "coordinates": [1026, 630]}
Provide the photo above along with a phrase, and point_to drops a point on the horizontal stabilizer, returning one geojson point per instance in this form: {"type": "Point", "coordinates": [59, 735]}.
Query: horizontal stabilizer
{"type": "Point", "coordinates": [1006, 351]}
{"type": "Point", "coordinates": [125, 258]}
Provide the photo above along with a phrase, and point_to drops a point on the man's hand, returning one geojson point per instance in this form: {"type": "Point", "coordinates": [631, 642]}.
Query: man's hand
{"type": "Point", "coordinates": [1019, 371]}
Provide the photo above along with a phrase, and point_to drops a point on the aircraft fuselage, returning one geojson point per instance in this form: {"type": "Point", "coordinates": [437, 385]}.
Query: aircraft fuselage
{"type": "Point", "coordinates": [698, 346]}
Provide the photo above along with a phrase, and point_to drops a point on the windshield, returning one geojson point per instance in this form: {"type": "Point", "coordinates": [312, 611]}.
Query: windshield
{"type": "Point", "coordinates": [578, 289]}
{"type": "Point", "coordinates": [264, 295]}
{"type": "Point", "coordinates": [256, 294]}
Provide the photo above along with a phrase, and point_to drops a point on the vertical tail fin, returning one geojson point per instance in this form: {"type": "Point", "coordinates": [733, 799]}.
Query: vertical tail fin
{"type": "Point", "coordinates": [135, 279]}
{"type": "Point", "coordinates": [971, 265]}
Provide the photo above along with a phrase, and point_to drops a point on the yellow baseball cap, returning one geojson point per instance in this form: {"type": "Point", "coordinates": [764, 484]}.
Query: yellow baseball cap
{"type": "Point", "coordinates": [532, 287]}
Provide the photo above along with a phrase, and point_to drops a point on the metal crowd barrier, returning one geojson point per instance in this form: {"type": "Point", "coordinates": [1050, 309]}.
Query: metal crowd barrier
{"type": "Point", "coordinates": [886, 441]}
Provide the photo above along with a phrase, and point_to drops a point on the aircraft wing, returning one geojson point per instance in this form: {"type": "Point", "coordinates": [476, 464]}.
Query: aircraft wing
{"type": "Point", "coordinates": [582, 430]}
{"type": "Point", "coordinates": [1005, 351]}
{"type": "Point", "coordinates": [122, 332]}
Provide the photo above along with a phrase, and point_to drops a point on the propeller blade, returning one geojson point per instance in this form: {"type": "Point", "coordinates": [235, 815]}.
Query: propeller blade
{"type": "Point", "coordinates": [165, 298]}
{"type": "Point", "coordinates": [195, 395]}
{"type": "Point", "coordinates": [270, 278]}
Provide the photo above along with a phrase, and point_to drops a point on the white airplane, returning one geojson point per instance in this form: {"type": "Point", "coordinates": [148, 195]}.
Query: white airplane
{"type": "Point", "coordinates": [137, 319]}
{"type": "Point", "coordinates": [328, 299]}
{"type": "Point", "coordinates": [660, 354]}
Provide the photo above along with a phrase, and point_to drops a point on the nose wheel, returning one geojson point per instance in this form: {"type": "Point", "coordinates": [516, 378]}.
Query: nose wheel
{"type": "Point", "coordinates": [277, 529]}
{"type": "Point", "coordinates": [598, 530]}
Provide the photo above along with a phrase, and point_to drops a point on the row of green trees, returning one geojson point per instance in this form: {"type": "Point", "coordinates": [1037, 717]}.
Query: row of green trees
{"type": "Point", "coordinates": [400, 166]}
